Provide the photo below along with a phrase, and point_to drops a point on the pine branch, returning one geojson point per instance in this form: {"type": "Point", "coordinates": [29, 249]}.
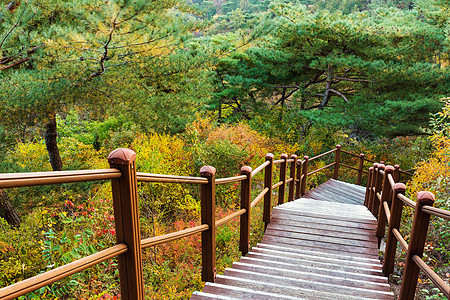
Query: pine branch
{"type": "Point", "coordinates": [16, 63]}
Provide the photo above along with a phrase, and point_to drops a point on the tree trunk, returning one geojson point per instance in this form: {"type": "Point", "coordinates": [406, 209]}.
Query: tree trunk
{"type": "Point", "coordinates": [326, 95]}
{"type": "Point", "coordinates": [52, 145]}
{"type": "Point", "coordinates": [7, 211]}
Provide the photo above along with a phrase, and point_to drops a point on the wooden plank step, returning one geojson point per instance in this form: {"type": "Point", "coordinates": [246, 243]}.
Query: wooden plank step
{"type": "Point", "coordinates": [243, 293]}
{"type": "Point", "coordinates": [285, 215]}
{"type": "Point", "coordinates": [317, 264]}
{"type": "Point", "coordinates": [207, 296]}
{"type": "Point", "coordinates": [350, 211]}
{"type": "Point", "coordinates": [326, 247]}
{"type": "Point", "coordinates": [323, 215]}
{"type": "Point", "coordinates": [310, 284]}
{"type": "Point", "coordinates": [338, 188]}
{"type": "Point", "coordinates": [319, 230]}
{"type": "Point", "coordinates": [358, 281]}
{"type": "Point", "coordinates": [340, 255]}
{"type": "Point", "coordinates": [286, 290]}
{"type": "Point", "coordinates": [344, 206]}
{"type": "Point", "coordinates": [319, 258]}
{"type": "Point", "coordinates": [317, 238]}
{"type": "Point", "coordinates": [312, 270]}
{"type": "Point", "coordinates": [338, 196]}
{"type": "Point", "coordinates": [360, 188]}
{"type": "Point", "coordinates": [331, 228]}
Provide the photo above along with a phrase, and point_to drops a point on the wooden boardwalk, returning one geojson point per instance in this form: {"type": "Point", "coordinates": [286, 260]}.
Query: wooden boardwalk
{"type": "Point", "coordinates": [322, 246]}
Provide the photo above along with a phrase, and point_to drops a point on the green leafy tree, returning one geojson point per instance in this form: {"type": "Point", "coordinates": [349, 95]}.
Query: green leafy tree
{"type": "Point", "coordinates": [375, 71]}
{"type": "Point", "coordinates": [132, 58]}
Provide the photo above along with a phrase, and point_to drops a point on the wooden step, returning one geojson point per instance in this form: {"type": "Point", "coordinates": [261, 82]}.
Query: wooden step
{"type": "Point", "coordinates": [286, 290]}
{"type": "Point", "coordinates": [317, 252]}
{"type": "Point", "coordinates": [357, 281]}
{"type": "Point", "coordinates": [239, 292]}
{"type": "Point", "coordinates": [310, 284]}
{"type": "Point", "coordinates": [316, 264]}
{"type": "Point", "coordinates": [311, 257]}
{"type": "Point", "coordinates": [322, 246]}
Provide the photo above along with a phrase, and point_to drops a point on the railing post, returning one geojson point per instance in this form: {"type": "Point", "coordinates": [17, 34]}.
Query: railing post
{"type": "Point", "coordinates": [304, 174]}
{"type": "Point", "coordinates": [208, 216]}
{"type": "Point", "coordinates": [360, 168]}
{"type": "Point", "coordinates": [283, 171]}
{"type": "Point", "coordinates": [394, 223]}
{"type": "Point", "coordinates": [416, 244]}
{"type": "Point", "coordinates": [126, 218]}
{"type": "Point", "coordinates": [268, 182]}
{"type": "Point", "coordinates": [368, 188]}
{"type": "Point", "coordinates": [396, 173]}
{"type": "Point", "coordinates": [378, 185]}
{"type": "Point", "coordinates": [292, 175]}
{"type": "Point", "coordinates": [298, 181]}
{"type": "Point", "coordinates": [246, 189]}
{"type": "Point", "coordinates": [337, 160]}
{"type": "Point", "coordinates": [372, 187]}
{"type": "Point", "coordinates": [385, 192]}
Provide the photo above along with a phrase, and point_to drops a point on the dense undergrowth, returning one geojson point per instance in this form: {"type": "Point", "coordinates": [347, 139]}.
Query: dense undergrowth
{"type": "Point", "coordinates": [63, 223]}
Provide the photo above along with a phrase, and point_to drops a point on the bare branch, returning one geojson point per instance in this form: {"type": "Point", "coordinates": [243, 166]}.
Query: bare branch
{"type": "Point", "coordinates": [353, 79]}
{"type": "Point", "coordinates": [339, 93]}
{"type": "Point", "coordinates": [17, 62]}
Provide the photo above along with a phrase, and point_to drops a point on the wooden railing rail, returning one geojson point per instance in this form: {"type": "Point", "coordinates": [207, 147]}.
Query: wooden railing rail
{"type": "Point", "coordinates": [293, 174]}
{"type": "Point", "coordinates": [388, 208]}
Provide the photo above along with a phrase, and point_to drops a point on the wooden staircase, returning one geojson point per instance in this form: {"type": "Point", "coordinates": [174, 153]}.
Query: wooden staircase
{"type": "Point", "coordinates": [321, 246]}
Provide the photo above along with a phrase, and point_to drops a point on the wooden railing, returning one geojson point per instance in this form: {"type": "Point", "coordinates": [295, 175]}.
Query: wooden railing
{"type": "Point", "coordinates": [385, 198]}
{"type": "Point", "coordinates": [129, 244]}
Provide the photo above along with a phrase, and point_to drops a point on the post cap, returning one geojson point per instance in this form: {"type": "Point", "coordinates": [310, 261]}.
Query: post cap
{"type": "Point", "coordinates": [389, 169]}
{"type": "Point", "coordinates": [246, 170]}
{"type": "Point", "coordinates": [294, 156]}
{"type": "Point", "coordinates": [396, 166]}
{"type": "Point", "coordinates": [284, 156]}
{"type": "Point", "coordinates": [362, 155]}
{"type": "Point", "coordinates": [122, 156]}
{"type": "Point", "coordinates": [381, 166]}
{"type": "Point", "coordinates": [400, 187]}
{"type": "Point", "coordinates": [306, 157]}
{"type": "Point", "coordinates": [338, 146]}
{"type": "Point", "coordinates": [370, 169]}
{"type": "Point", "coordinates": [207, 171]}
{"type": "Point", "coordinates": [269, 156]}
{"type": "Point", "coordinates": [375, 165]}
{"type": "Point", "coordinates": [425, 197]}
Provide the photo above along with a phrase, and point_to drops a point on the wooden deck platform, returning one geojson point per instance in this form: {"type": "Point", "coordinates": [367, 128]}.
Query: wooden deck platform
{"type": "Point", "coordinates": [322, 246]}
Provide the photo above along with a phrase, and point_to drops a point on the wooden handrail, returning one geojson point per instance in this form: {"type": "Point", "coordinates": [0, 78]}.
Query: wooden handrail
{"type": "Point", "coordinates": [161, 239]}
{"type": "Point", "coordinates": [323, 154]}
{"type": "Point", "coordinates": [407, 201]}
{"type": "Point", "coordinates": [437, 212]}
{"type": "Point", "coordinates": [13, 180]}
{"type": "Point", "coordinates": [230, 217]}
{"type": "Point", "coordinates": [31, 284]}
{"type": "Point", "coordinates": [423, 209]}
{"type": "Point", "coordinates": [231, 179]}
{"type": "Point", "coordinates": [323, 168]}
{"type": "Point", "coordinates": [442, 286]}
{"type": "Point", "coordinates": [259, 197]}
{"type": "Point", "coordinates": [149, 177]}
{"type": "Point", "coordinates": [260, 168]}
